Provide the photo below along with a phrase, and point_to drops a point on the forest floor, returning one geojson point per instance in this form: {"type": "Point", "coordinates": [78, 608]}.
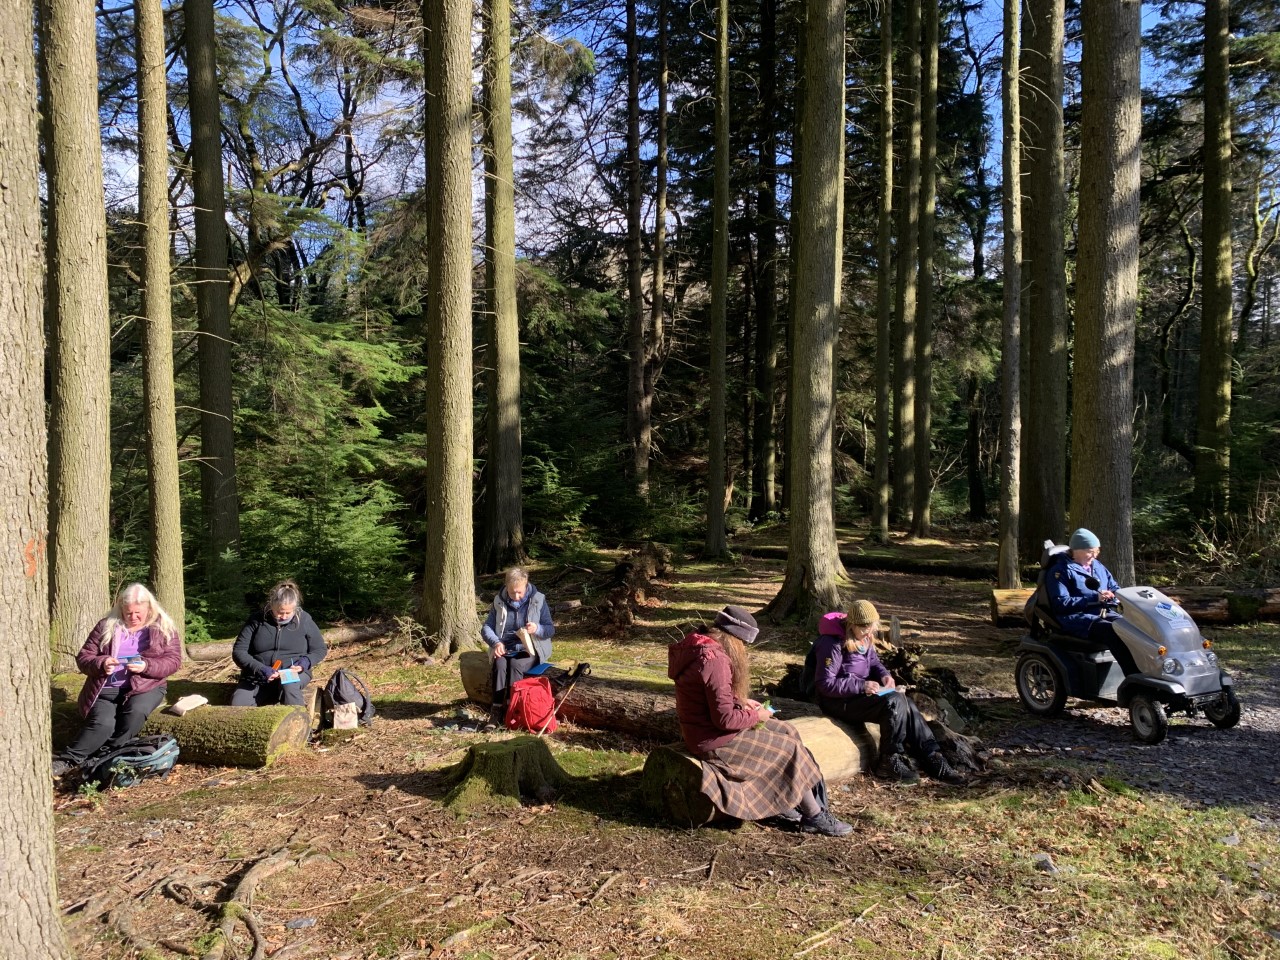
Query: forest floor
{"type": "Point", "coordinates": [1076, 842]}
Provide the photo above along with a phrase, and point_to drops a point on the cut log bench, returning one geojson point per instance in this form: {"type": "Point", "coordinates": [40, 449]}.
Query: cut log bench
{"type": "Point", "coordinates": [645, 708]}
{"type": "Point", "coordinates": [216, 734]}
{"type": "Point", "coordinates": [1217, 605]}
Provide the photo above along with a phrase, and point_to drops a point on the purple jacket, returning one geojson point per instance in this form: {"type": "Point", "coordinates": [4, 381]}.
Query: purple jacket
{"type": "Point", "coordinates": [161, 659]}
{"type": "Point", "coordinates": [842, 673]}
{"type": "Point", "coordinates": [709, 716]}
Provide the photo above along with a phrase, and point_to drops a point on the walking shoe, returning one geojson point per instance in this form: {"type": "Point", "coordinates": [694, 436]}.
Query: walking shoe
{"type": "Point", "coordinates": [895, 766]}
{"type": "Point", "coordinates": [824, 823]}
{"type": "Point", "coordinates": [62, 767]}
{"type": "Point", "coordinates": [939, 769]}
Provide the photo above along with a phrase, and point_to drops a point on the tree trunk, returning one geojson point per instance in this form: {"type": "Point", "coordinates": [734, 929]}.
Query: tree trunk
{"type": "Point", "coordinates": [218, 496]}
{"type": "Point", "coordinates": [1043, 479]}
{"type": "Point", "coordinates": [1213, 416]}
{"type": "Point", "coordinates": [639, 414]}
{"type": "Point", "coordinates": [157, 343]}
{"type": "Point", "coordinates": [973, 450]}
{"type": "Point", "coordinates": [448, 596]}
{"type": "Point", "coordinates": [30, 924]}
{"type": "Point", "coordinates": [1107, 277]}
{"type": "Point", "coordinates": [813, 563]}
{"type": "Point", "coordinates": [920, 519]}
{"type": "Point", "coordinates": [1008, 568]}
{"type": "Point", "coordinates": [763, 489]}
{"type": "Point", "coordinates": [504, 531]}
{"type": "Point", "coordinates": [904, 376]}
{"type": "Point", "coordinates": [884, 280]}
{"type": "Point", "coordinates": [715, 545]}
{"type": "Point", "coordinates": [655, 350]}
{"type": "Point", "coordinates": [79, 333]}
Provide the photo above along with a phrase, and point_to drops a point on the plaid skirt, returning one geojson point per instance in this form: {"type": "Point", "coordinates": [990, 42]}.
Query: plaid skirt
{"type": "Point", "coordinates": [760, 773]}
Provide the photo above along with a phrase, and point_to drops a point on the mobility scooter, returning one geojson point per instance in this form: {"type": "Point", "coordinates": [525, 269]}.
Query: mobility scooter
{"type": "Point", "coordinates": [1177, 670]}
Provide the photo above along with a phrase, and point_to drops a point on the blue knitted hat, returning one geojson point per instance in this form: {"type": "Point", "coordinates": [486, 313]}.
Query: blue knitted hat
{"type": "Point", "coordinates": [1084, 539]}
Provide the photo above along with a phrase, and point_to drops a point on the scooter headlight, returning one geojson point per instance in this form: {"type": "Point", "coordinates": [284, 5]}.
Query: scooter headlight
{"type": "Point", "coordinates": [1211, 657]}
{"type": "Point", "coordinates": [1172, 666]}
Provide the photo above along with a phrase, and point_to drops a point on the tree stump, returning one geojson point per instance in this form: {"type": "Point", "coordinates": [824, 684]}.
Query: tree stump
{"type": "Point", "coordinates": [499, 773]}
{"type": "Point", "coordinates": [671, 782]}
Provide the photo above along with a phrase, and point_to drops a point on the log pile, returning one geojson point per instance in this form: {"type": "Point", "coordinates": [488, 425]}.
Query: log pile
{"type": "Point", "coordinates": [1216, 605]}
{"type": "Point", "coordinates": [216, 734]}
{"type": "Point", "coordinates": [630, 587]}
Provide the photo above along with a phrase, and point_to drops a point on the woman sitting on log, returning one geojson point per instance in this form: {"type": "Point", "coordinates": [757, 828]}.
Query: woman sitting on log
{"type": "Point", "coordinates": [853, 685]}
{"type": "Point", "coordinates": [518, 632]}
{"type": "Point", "coordinates": [125, 661]}
{"type": "Point", "coordinates": [753, 767]}
{"type": "Point", "coordinates": [276, 651]}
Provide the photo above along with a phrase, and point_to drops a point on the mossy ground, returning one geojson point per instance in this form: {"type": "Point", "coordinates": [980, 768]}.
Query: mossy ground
{"type": "Point", "coordinates": [929, 872]}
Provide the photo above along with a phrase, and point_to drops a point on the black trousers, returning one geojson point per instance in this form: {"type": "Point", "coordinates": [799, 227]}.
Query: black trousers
{"type": "Point", "coordinates": [1104, 631]}
{"type": "Point", "coordinates": [902, 728]}
{"type": "Point", "coordinates": [268, 693]}
{"type": "Point", "coordinates": [506, 671]}
{"type": "Point", "coordinates": [114, 719]}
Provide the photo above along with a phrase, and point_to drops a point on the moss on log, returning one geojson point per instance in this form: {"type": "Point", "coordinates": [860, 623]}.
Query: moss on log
{"type": "Point", "coordinates": [234, 736]}
{"type": "Point", "coordinates": [499, 773]}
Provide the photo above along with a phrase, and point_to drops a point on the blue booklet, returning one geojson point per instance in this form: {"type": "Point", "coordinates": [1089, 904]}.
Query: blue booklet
{"type": "Point", "coordinates": [885, 691]}
{"type": "Point", "coordinates": [289, 675]}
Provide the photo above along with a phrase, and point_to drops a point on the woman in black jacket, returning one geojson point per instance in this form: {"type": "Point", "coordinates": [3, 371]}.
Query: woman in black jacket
{"type": "Point", "coordinates": [276, 651]}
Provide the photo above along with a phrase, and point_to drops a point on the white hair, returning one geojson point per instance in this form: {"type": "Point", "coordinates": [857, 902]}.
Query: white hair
{"type": "Point", "coordinates": [157, 617]}
{"type": "Point", "coordinates": [517, 575]}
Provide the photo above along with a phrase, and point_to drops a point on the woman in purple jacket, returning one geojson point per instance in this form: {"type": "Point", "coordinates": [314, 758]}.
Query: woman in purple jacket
{"type": "Point", "coordinates": [126, 660]}
{"type": "Point", "coordinates": [852, 684]}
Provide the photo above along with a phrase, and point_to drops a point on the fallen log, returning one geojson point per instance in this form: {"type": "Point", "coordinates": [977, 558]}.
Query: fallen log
{"type": "Point", "coordinates": [343, 633]}
{"type": "Point", "coordinates": [215, 734]}
{"type": "Point", "coordinates": [671, 782]}
{"type": "Point", "coordinates": [1218, 605]}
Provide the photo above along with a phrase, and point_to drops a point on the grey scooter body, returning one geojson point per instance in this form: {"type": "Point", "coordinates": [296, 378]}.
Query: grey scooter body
{"type": "Point", "coordinates": [1177, 671]}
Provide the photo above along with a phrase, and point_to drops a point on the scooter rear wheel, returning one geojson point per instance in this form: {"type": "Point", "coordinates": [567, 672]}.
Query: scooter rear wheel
{"type": "Point", "coordinates": [1225, 713]}
{"type": "Point", "coordinates": [1147, 717]}
{"type": "Point", "coordinates": [1041, 687]}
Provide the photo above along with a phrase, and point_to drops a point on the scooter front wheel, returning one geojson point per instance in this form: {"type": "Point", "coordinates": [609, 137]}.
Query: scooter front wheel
{"type": "Point", "coordinates": [1148, 718]}
{"type": "Point", "coordinates": [1041, 687]}
{"type": "Point", "coordinates": [1226, 712]}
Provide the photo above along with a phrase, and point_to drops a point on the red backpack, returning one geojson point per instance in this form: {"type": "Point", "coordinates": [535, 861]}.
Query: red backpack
{"type": "Point", "coordinates": [531, 705]}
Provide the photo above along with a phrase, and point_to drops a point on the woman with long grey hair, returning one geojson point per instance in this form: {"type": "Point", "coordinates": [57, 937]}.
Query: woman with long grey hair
{"type": "Point", "coordinates": [126, 659]}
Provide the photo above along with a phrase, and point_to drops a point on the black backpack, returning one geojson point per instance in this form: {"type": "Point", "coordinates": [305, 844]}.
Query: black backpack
{"type": "Point", "coordinates": [345, 687]}
{"type": "Point", "coordinates": [130, 763]}
{"type": "Point", "coordinates": [809, 674]}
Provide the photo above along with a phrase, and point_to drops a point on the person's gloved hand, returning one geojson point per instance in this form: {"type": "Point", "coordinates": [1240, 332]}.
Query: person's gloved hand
{"type": "Point", "coordinates": [266, 673]}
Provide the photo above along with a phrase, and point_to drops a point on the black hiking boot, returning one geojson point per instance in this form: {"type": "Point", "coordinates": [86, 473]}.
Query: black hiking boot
{"type": "Point", "coordinates": [895, 766]}
{"type": "Point", "coordinates": [824, 823]}
{"type": "Point", "coordinates": [937, 767]}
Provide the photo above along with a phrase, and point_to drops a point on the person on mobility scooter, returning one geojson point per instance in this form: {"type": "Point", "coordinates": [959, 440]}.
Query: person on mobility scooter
{"type": "Point", "coordinates": [1150, 659]}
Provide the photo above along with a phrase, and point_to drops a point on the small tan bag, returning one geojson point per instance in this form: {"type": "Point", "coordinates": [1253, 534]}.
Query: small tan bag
{"type": "Point", "coordinates": [346, 716]}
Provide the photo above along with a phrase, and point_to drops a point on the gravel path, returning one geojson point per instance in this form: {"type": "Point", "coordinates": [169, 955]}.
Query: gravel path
{"type": "Point", "coordinates": [1196, 764]}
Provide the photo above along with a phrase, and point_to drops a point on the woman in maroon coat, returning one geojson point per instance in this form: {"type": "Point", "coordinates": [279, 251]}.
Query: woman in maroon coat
{"type": "Point", "coordinates": [126, 660]}
{"type": "Point", "coordinates": [753, 767]}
